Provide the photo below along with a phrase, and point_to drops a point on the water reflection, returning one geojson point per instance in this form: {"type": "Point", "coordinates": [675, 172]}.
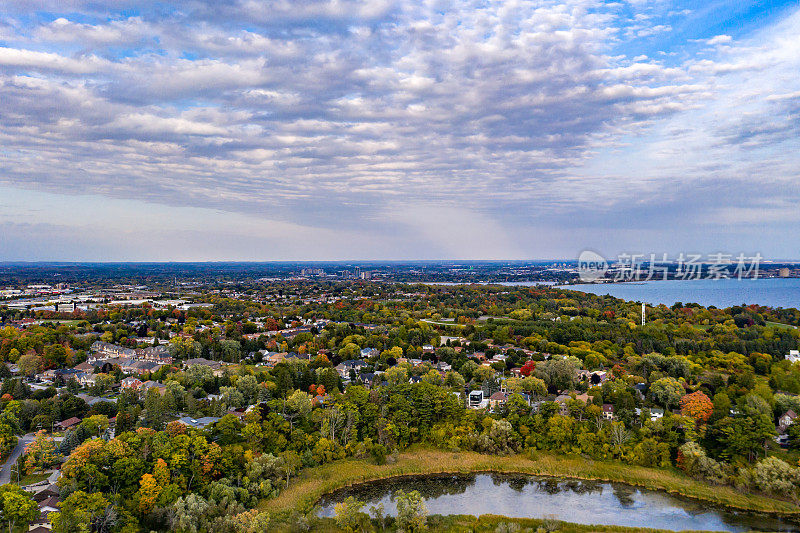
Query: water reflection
{"type": "Point", "coordinates": [585, 502]}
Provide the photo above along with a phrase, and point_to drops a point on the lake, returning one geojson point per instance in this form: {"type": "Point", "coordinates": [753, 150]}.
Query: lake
{"type": "Point", "coordinates": [584, 502]}
{"type": "Point", "coordinates": [775, 292]}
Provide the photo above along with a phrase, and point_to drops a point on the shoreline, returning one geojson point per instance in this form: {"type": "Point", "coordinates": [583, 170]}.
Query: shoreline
{"type": "Point", "coordinates": [305, 492]}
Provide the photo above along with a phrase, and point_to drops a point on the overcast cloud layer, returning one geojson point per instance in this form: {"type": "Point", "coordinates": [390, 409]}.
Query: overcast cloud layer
{"type": "Point", "coordinates": [329, 129]}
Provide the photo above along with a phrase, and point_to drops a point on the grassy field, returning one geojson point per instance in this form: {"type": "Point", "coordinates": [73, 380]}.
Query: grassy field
{"type": "Point", "coordinates": [780, 325]}
{"type": "Point", "coordinates": [32, 478]}
{"type": "Point", "coordinates": [306, 489]}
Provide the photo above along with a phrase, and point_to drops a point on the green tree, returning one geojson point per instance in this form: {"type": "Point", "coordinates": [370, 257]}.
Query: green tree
{"type": "Point", "coordinates": [348, 514]}
{"type": "Point", "coordinates": [84, 512]}
{"type": "Point", "coordinates": [411, 512]}
{"type": "Point", "coordinates": [29, 364]}
{"type": "Point", "coordinates": [18, 508]}
{"type": "Point", "coordinates": [396, 375]}
{"type": "Point", "coordinates": [298, 405]}
{"type": "Point", "coordinates": [667, 391]}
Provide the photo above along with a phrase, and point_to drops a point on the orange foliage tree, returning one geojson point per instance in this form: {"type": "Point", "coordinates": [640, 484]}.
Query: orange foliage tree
{"type": "Point", "coordinates": [697, 405]}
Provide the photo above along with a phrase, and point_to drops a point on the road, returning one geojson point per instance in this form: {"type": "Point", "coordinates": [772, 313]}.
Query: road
{"type": "Point", "coordinates": [5, 473]}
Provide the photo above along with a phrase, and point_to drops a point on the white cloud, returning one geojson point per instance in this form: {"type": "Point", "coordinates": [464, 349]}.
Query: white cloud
{"type": "Point", "coordinates": [489, 110]}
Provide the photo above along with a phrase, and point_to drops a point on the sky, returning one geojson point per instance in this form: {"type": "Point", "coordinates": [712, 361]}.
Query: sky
{"type": "Point", "coordinates": [245, 130]}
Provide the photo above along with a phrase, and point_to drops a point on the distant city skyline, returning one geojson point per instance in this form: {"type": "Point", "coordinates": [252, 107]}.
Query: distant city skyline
{"type": "Point", "coordinates": [397, 130]}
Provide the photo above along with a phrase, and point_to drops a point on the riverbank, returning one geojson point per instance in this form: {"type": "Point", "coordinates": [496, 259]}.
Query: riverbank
{"type": "Point", "coordinates": [305, 490]}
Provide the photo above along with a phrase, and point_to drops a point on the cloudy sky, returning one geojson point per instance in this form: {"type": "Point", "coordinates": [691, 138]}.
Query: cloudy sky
{"type": "Point", "coordinates": [390, 129]}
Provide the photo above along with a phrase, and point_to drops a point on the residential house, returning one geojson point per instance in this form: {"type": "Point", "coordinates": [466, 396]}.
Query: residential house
{"type": "Point", "coordinates": [68, 423]}
{"type": "Point", "coordinates": [367, 379]}
{"type": "Point", "coordinates": [130, 383]}
{"type": "Point", "coordinates": [147, 385]}
{"type": "Point", "coordinates": [215, 366]}
{"type": "Point", "coordinates": [273, 358]}
{"type": "Point", "coordinates": [366, 353]}
{"type": "Point", "coordinates": [794, 356]}
{"type": "Point", "coordinates": [345, 367]}
{"type": "Point", "coordinates": [475, 400]}
{"type": "Point", "coordinates": [655, 413]}
{"type": "Point", "coordinates": [84, 367]}
{"type": "Point", "coordinates": [47, 492]}
{"type": "Point", "coordinates": [608, 411]}
{"type": "Point", "coordinates": [199, 423]}
{"type": "Point", "coordinates": [86, 379]}
{"type": "Point", "coordinates": [497, 400]}
{"type": "Point", "coordinates": [105, 350]}
{"type": "Point", "coordinates": [786, 420]}
{"type": "Point", "coordinates": [50, 504]}
{"type": "Point", "coordinates": [561, 400]}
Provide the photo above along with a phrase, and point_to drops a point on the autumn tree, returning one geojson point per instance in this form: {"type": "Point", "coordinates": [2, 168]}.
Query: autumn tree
{"type": "Point", "coordinates": [697, 405]}
{"type": "Point", "coordinates": [528, 368]}
{"type": "Point", "coordinates": [41, 453]}
{"type": "Point", "coordinates": [148, 493]}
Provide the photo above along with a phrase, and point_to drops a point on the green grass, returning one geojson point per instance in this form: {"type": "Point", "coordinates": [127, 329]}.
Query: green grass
{"type": "Point", "coordinates": [439, 323]}
{"type": "Point", "coordinates": [780, 325]}
{"type": "Point", "coordinates": [32, 478]}
{"type": "Point", "coordinates": [313, 483]}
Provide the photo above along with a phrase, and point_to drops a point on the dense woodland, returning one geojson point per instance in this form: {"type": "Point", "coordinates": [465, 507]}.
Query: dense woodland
{"type": "Point", "coordinates": [719, 374]}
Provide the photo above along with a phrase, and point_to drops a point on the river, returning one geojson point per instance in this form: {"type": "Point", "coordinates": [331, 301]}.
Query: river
{"type": "Point", "coordinates": [775, 292]}
{"type": "Point", "coordinates": [584, 502]}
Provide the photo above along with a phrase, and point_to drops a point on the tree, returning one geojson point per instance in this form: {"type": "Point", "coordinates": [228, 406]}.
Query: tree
{"type": "Point", "coordinates": [433, 377]}
{"type": "Point", "coordinates": [527, 368]}
{"type": "Point", "coordinates": [148, 493]}
{"type": "Point", "coordinates": [348, 514]}
{"type": "Point", "coordinates": [776, 476]}
{"type": "Point", "coordinates": [188, 513]}
{"type": "Point", "coordinates": [667, 391]}
{"type": "Point", "coordinates": [454, 380]}
{"type": "Point", "coordinates": [396, 375]}
{"type": "Point", "coordinates": [298, 405]}
{"type": "Point", "coordinates": [41, 453]}
{"type": "Point", "coordinates": [349, 351]}
{"type": "Point", "coordinates": [154, 415]}
{"type": "Point", "coordinates": [84, 512]}
{"type": "Point", "coordinates": [693, 460]}
{"type": "Point", "coordinates": [95, 425]}
{"type": "Point", "coordinates": [29, 364]}
{"type": "Point", "coordinates": [17, 506]}
{"type": "Point", "coordinates": [411, 511]}
{"type": "Point", "coordinates": [697, 405]}
{"type": "Point", "coordinates": [742, 436]}
{"type": "Point", "coordinates": [533, 386]}
{"type": "Point", "coordinates": [619, 437]}
{"type": "Point", "coordinates": [251, 521]}
{"type": "Point", "coordinates": [558, 374]}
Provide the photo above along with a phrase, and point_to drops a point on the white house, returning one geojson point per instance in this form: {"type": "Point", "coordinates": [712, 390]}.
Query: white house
{"type": "Point", "coordinates": [476, 400]}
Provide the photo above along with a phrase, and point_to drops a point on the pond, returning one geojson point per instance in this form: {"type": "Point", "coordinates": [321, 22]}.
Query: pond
{"type": "Point", "coordinates": [584, 502]}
